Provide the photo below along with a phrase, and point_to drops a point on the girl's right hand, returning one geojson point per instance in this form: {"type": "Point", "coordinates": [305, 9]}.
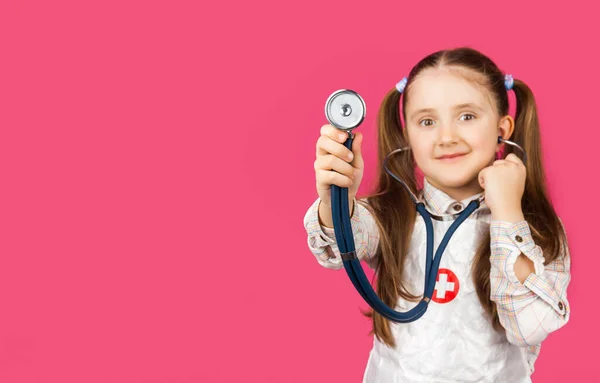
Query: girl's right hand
{"type": "Point", "coordinates": [333, 166]}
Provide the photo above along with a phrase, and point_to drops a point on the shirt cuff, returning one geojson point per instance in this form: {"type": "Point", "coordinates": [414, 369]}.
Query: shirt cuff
{"type": "Point", "coordinates": [517, 238]}
{"type": "Point", "coordinates": [547, 292]}
{"type": "Point", "coordinates": [326, 235]}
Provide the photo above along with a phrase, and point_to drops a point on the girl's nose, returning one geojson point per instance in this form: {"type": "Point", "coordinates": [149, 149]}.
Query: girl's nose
{"type": "Point", "coordinates": [448, 133]}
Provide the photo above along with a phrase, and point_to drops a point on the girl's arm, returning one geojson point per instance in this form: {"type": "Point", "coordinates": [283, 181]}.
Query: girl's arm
{"type": "Point", "coordinates": [322, 242]}
{"type": "Point", "coordinates": [531, 310]}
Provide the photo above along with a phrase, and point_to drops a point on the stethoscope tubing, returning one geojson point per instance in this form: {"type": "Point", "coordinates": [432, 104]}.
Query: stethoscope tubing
{"type": "Point", "coordinates": [343, 226]}
{"type": "Point", "coordinates": [346, 246]}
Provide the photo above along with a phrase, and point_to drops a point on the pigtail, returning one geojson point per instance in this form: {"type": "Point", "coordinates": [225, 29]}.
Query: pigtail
{"type": "Point", "coordinates": [392, 201]}
{"type": "Point", "coordinates": [527, 130]}
{"type": "Point", "coordinates": [537, 207]}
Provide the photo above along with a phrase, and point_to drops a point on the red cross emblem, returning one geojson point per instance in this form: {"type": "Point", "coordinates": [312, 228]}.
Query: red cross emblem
{"type": "Point", "coordinates": [446, 286]}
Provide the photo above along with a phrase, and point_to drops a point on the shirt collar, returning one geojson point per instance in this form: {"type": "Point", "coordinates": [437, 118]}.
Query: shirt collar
{"type": "Point", "coordinates": [440, 203]}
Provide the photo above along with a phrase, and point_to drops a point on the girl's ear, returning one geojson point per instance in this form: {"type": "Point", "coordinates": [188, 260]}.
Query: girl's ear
{"type": "Point", "coordinates": [506, 126]}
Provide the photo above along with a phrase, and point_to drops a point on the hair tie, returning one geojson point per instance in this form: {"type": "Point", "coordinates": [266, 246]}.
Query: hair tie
{"type": "Point", "coordinates": [401, 85]}
{"type": "Point", "coordinates": [508, 81]}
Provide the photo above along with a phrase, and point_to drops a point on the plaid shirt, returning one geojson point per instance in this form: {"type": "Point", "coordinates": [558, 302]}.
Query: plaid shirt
{"type": "Point", "coordinates": [529, 312]}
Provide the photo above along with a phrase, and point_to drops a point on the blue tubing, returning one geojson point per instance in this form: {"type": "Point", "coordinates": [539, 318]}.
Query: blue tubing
{"type": "Point", "coordinates": [345, 241]}
{"type": "Point", "coordinates": [473, 205]}
{"type": "Point", "coordinates": [341, 234]}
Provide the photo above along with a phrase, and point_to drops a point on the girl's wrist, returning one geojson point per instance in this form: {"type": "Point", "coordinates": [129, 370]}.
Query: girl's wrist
{"type": "Point", "coordinates": [510, 215]}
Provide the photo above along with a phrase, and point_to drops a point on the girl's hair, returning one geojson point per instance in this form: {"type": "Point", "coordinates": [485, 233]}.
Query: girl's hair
{"type": "Point", "coordinates": [395, 213]}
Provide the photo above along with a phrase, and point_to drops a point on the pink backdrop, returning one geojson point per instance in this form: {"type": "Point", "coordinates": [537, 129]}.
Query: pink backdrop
{"type": "Point", "coordinates": [156, 161]}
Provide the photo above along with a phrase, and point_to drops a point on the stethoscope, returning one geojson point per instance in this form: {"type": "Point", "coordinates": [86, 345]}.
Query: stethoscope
{"type": "Point", "coordinates": [345, 109]}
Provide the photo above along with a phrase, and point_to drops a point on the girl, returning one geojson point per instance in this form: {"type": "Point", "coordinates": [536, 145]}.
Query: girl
{"type": "Point", "coordinates": [502, 284]}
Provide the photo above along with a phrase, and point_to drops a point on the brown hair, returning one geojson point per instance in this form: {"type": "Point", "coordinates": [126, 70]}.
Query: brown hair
{"type": "Point", "coordinates": [395, 213]}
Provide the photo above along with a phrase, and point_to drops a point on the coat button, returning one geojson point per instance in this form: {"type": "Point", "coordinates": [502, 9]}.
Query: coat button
{"type": "Point", "coordinates": [560, 305]}
{"type": "Point", "coordinates": [457, 207]}
{"type": "Point", "coordinates": [519, 238]}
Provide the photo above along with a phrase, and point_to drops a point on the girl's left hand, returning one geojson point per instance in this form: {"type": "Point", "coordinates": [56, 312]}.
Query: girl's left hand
{"type": "Point", "coordinates": [504, 184]}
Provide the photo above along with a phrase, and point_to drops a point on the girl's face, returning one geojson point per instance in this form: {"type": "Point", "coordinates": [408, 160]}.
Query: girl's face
{"type": "Point", "coordinates": [453, 128]}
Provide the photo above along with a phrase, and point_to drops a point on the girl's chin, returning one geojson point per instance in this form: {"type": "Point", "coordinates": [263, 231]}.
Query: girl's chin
{"type": "Point", "coordinates": [454, 182]}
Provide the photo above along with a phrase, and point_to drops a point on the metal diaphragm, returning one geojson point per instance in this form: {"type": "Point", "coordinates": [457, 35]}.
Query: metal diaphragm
{"type": "Point", "coordinates": [345, 109]}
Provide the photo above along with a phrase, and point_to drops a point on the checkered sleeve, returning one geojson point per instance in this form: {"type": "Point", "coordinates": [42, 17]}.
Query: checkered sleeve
{"type": "Point", "coordinates": [322, 242]}
{"type": "Point", "coordinates": [529, 312]}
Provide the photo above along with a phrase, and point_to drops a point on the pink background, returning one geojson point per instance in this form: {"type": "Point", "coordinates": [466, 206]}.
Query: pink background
{"type": "Point", "coordinates": [156, 161]}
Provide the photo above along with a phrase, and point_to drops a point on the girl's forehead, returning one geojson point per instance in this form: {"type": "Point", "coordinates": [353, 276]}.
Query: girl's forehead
{"type": "Point", "coordinates": [443, 88]}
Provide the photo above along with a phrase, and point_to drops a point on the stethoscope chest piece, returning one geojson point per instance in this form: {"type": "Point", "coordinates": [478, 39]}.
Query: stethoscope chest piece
{"type": "Point", "coordinates": [345, 109]}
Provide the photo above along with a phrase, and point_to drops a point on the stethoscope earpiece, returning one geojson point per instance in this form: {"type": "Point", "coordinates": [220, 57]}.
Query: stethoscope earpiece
{"type": "Point", "coordinates": [503, 141]}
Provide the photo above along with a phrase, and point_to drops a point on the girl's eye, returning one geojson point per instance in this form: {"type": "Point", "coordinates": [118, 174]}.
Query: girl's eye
{"type": "Point", "coordinates": [426, 122]}
{"type": "Point", "coordinates": [467, 115]}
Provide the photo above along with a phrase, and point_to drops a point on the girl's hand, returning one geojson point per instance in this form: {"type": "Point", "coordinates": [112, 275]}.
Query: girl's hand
{"type": "Point", "coordinates": [333, 166]}
{"type": "Point", "coordinates": [504, 184]}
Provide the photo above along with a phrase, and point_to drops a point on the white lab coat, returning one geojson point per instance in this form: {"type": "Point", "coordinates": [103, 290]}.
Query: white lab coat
{"type": "Point", "coordinates": [453, 341]}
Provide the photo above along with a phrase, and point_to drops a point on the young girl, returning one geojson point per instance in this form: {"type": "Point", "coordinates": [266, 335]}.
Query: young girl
{"type": "Point", "coordinates": [502, 284]}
